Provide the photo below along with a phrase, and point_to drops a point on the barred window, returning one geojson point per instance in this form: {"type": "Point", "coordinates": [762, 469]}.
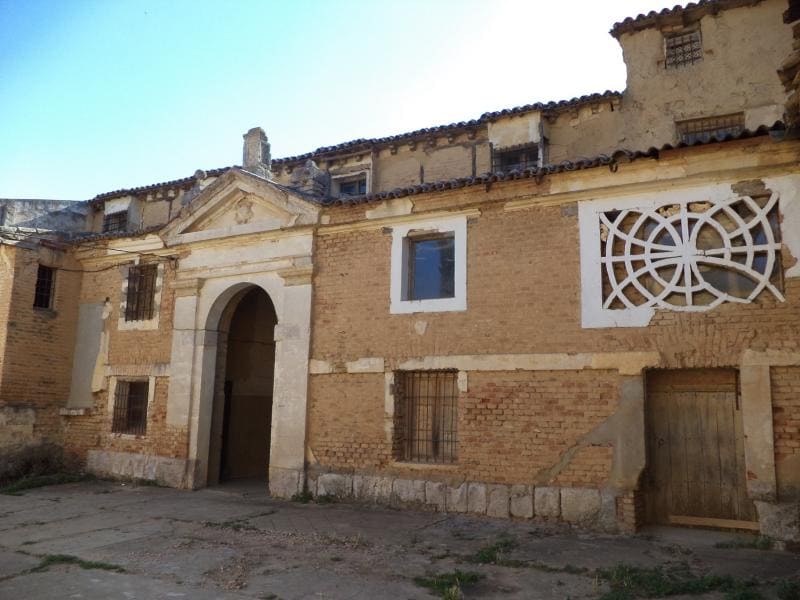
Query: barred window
{"type": "Point", "coordinates": [426, 416]}
{"type": "Point", "coordinates": [117, 221]}
{"type": "Point", "coordinates": [694, 130]}
{"type": "Point", "coordinates": [45, 284]}
{"type": "Point", "coordinates": [683, 49]}
{"type": "Point", "coordinates": [130, 408]}
{"type": "Point", "coordinates": [519, 157]}
{"type": "Point", "coordinates": [140, 299]}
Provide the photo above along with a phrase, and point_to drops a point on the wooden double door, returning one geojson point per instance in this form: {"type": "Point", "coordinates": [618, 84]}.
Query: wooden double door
{"type": "Point", "coordinates": [695, 450]}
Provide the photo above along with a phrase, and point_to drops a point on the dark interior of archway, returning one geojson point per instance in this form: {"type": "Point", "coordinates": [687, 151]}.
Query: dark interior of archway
{"type": "Point", "coordinates": [249, 370]}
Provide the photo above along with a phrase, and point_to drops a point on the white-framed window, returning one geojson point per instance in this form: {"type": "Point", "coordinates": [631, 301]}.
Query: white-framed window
{"type": "Point", "coordinates": [685, 251]}
{"type": "Point", "coordinates": [429, 266]}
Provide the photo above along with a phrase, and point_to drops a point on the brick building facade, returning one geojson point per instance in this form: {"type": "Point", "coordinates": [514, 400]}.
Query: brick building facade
{"type": "Point", "coordinates": [585, 310]}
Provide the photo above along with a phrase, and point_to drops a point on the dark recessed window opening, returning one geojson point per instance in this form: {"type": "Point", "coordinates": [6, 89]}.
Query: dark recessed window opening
{"type": "Point", "coordinates": [431, 267]}
{"type": "Point", "coordinates": [140, 304]}
{"type": "Point", "coordinates": [702, 130]}
{"type": "Point", "coordinates": [115, 222]}
{"type": "Point", "coordinates": [683, 49]}
{"type": "Point", "coordinates": [426, 416]}
{"type": "Point", "coordinates": [520, 158]}
{"type": "Point", "coordinates": [45, 285]}
{"type": "Point", "coordinates": [130, 408]}
{"type": "Point", "coordinates": [353, 187]}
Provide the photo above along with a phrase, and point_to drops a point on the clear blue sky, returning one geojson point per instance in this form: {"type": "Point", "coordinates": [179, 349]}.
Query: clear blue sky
{"type": "Point", "coordinates": [100, 95]}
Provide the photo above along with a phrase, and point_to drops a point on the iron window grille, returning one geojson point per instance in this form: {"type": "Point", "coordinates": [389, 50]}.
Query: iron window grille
{"type": "Point", "coordinates": [519, 158]}
{"type": "Point", "coordinates": [140, 300]}
{"type": "Point", "coordinates": [115, 222]}
{"type": "Point", "coordinates": [45, 284]}
{"type": "Point", "coordinates": [683, 49]}
{"type": "Point", "coordinates": [426, 416]}
{"type": "Point", "coordinates": [702, 130]}
{"type": "Point", "coordinates": [130, 408]}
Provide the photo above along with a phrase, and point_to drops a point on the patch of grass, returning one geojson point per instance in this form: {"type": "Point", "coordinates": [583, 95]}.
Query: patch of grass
{"type": "Point", "coordinates": [16, 488]}
{"type": "Point", "coordinates": [50, 560]}
{"type": "Point", "coordinates": [628, 582]}
{"type": "Point", "coordinates": [494, 554]}
{"type": "Point", "coordinates": [303, 497]}
{"type": "Point", "coordinates": [788, 589]}
{"type": "Point", "coordinates": [448, 585]}
{"type": "Point", "coordinates": [325, 499]}
{"type": "Point", "coordinates": [760, 542]}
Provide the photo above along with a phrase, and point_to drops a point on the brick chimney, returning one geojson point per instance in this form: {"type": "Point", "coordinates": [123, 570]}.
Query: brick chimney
{"type": "Point", "coordinates": [255, 155]}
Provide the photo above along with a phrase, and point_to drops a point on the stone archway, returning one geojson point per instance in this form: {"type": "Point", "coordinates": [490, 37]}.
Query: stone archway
{"type": "Point", "coordinates": [239, 444]}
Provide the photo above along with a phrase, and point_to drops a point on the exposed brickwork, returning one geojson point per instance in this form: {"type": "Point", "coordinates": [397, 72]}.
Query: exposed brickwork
{"type": "Point", "coordinates": [516, 426]}
{"type": "Point", "coordinates": [786, 411]}
{"type": "Point", "coordinates": [130, 347]}
{"type": "Point", "coordinates": [94, 431]}
{"type": "Point", "coordinates": [539, 255]}
{"type": "Point", "coordinates": [37, 361]}
{"type": "Point", "coordinates": [346, 421]}
{"type": "Point", "coordinates": [511, 426]}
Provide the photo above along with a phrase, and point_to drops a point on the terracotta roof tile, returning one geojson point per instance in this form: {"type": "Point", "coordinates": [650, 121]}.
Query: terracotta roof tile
{"type": "Point", "coordinates": [618, 156]}
{"type": "Point", "coordinates": [367, 144]}
{"type": "Point", "coordinates": [693, 10]}
{"type": "Point", "coordinates": [185, 181]}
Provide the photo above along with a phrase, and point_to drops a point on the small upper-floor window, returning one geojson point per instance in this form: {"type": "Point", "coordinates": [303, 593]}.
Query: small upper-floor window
{"type": "Point", "coordinates": [117, 221]}
{"type": "Point", "coordinates": [130, 408]}
{"type": "Point", "coordinates": [45, 286]}
{"type": "Point", "coordinates": [518, 157]}
{"type": "Point", "coordinates": [353, 187]}
{"type": "Point", "coordinates": [140, 299]}
{"type": "Point", "coordinates": [683, 48]}
{"type": "Point", "coordinates": [702, 130]}
{"type": "Point", "coordinates": [431, 266]}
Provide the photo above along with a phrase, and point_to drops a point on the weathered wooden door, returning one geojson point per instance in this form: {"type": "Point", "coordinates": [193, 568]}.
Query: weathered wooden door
{"type": "Point", "coordinates": [695, 449]}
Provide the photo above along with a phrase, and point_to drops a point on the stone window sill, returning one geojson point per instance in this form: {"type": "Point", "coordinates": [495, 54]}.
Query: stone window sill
{"type": "Point", "coordinates": [74, 412]}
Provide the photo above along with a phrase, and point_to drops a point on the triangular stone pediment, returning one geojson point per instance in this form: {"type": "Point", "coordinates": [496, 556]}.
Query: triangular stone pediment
{"type": "Point", "coordinates": [239, 203]}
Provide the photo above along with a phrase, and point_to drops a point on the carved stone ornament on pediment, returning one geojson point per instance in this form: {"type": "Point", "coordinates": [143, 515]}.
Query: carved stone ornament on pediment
{"type": "Point", "coordinates": [244, 211]}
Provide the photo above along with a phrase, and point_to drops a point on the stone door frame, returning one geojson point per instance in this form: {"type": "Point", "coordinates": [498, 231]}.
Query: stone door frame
{"type": "Point", "coordinates": [199, 304]}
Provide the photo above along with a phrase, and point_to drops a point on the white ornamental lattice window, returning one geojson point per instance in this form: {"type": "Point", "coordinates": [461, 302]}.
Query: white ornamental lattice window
{"type": "Point", "coordinates": [685, 255]}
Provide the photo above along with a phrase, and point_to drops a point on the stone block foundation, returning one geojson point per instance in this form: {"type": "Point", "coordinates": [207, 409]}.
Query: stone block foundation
{"type": "Point", "coordinates": [583, 507]}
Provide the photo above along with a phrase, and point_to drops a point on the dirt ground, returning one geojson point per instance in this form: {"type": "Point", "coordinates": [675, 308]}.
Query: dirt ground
{"type": "Point", "coordinates": [99, 540]}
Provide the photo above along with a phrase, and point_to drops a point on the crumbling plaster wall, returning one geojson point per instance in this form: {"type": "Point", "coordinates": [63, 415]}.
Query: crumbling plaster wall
{"type": "Point", "coordinates": [742, 48]}
{"type": "Point", "coordinates": [22, 212]}
{"type": "Point", "coordinates": [585, 132]}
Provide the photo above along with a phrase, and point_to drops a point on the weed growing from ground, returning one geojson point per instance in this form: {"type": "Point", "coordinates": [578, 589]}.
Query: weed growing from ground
{"type": "Point", "coordinates": [788, 589]}
{"type": "Point", "coordinates": [303, 497]}
{"type": "Point", "coordinates": [760, 542]}
{"type": "Point", "coordinates": [628, 582]}
{"type": "Point", "coordinates": [449, 585]}
{"type": "Point", "coordinates": [495, 554]}
{"type": "Point", "coordinates": [17, 488]}
{"type": "Point", "coordinates": [50, 560]}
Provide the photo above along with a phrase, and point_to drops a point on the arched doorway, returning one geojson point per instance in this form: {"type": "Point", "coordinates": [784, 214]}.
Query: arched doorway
{"type": "Point", "coordinates": [244, 375]}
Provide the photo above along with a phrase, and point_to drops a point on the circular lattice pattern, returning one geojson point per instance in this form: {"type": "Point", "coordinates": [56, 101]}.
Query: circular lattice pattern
{"type": "Point", "coordinates": [690, 256]}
